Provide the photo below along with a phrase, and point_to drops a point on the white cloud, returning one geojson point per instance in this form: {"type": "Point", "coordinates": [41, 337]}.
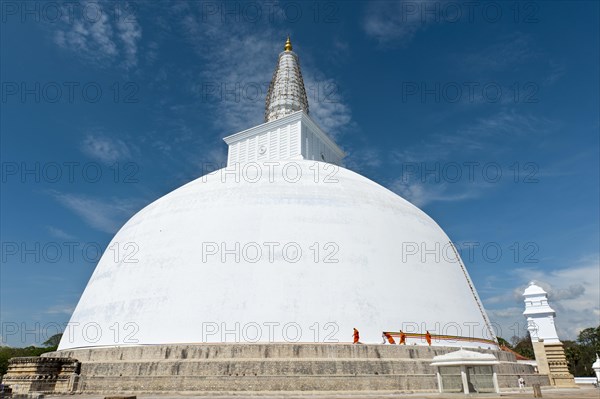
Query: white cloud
{"type": "Point", "coordinates": [437, 169]}
{"type": "Point", "coordinates": [513, 50]}
{"type": "Point", "coordinates": [99, 33]}
{"type": "Point", "coordinates": [130, 33]}
{"type": "Point", "coordinates": [557, 70]}
{"type": "Point", "coordinates": [107, 216]}
{"type": "Point", "coordinates": [394, 22]}
{"type": "Point", "coordinates": [486, 135]}
{"type": "Point", "coordinates": [238, 64]}
{"type": "Point", "coordinates": [231, 67]}
{"type": "Point", "coordinates": [60, 309]}
{"type": "Point", "coordinates": [216, 155]}
{"type": "Point", "coordinates": [59, 233]}
{"type": "Point", "coordinates": [363, 157]}
{"type": "Point", "coordinates": [421, 194]}
{"type": "Point", "coordinates": [573, 292]}
{"type": "Point", "coordinates": [105, 149]}
{"type": "Point", "coordinates": [326, 104]}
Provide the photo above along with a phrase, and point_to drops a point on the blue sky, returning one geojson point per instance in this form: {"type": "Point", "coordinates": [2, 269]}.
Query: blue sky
{"type": "Point", "coordinates": [485, 115]}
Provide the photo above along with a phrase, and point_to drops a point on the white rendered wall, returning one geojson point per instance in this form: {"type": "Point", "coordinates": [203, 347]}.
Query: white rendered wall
{"type": "Point", "coordinates": [294, 137]}
{"type": "Point", "coordinates": [540, 316]}
{"type": "Point", "coordinates": [542, 328]}
{"type": "Point", "coordinates": [315, 149]}
{"type": "Point", "coordinates": [282, 142]}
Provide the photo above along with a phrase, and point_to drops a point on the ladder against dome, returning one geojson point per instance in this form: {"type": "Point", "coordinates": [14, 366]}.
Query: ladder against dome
{"type": "Point", "coordinates": [288, 132]}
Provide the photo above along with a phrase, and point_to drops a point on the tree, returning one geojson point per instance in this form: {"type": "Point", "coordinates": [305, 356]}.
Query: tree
{"type": "Point", "coordinates": [504, 342]}
{"type": "Point", "coordinates": [7, 353]}
{"type": "Point", "coordinates": [524, 347]}
{"type": "Point", "coordinates": [590, 337]}
{"type": "Point", "coordinates": [581, 353]}
{"type": "Point", "coordinates": [588, 342]}
{"type": "Point", "coordinates": [53, 341]}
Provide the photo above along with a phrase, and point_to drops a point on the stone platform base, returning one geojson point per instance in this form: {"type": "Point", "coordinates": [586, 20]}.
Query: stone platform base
{"type": "Point", "coordinates": [271, 367]}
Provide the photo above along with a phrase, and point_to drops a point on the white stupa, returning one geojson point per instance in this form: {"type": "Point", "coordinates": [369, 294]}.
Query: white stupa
{"type": "Point", "coordinates": [540, 316]}
{"type": "Point", "coordinates": [549, 352]}
{"type": "Point", "coordinates": [282, 245]}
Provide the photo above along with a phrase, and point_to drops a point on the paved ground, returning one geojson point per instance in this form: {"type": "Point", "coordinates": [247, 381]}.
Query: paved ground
{"type": "Point", "coordinates": [549, 393]}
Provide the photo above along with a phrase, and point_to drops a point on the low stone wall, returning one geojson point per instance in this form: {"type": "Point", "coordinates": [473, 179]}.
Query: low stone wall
{"type": "Point", "coordinates": [510, 380]}
{"type": "Point", "coordinates": [271, 367]}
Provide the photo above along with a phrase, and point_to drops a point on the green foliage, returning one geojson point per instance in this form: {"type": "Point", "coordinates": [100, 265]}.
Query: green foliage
{"type": "Point", "coordinates": [53, 340]}
{"type": "Point", "coordinates": [590, 337]}
{"type": "Point", "coordinates": [581, 354]}
{"type": "Point", "coordinates": [523, 346]}
{"type": "Point", "coordinates": [504, 342]}
{"type": "Point", "coordinates": [8, 352]}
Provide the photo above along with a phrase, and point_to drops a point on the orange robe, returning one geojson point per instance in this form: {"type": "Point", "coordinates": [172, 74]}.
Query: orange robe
{"type": "Point", "coordinates": [355, 335]}
{"type": "Point", "coordinates": [389, 338]}
{"type": "Point", "coordinates": [402, 339]}
{"type": "Point", "coordinates": [428, 338]}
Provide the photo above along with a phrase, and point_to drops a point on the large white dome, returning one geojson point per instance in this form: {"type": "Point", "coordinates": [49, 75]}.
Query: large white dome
{"type": "Point", "coordinates": [172, 282]}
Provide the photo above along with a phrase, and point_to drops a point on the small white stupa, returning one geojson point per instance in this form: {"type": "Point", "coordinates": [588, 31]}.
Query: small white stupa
{"type": "Point", "coordinates": [540, 316]}
{"type": "Point", "coordinates": [549, 351]}
{"type": "Point", "coordinates": [596, 368]}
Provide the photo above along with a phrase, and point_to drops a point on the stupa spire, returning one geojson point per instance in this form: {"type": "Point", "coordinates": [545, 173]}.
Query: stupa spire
{"type": "Point", "coordinates": [286, 93]}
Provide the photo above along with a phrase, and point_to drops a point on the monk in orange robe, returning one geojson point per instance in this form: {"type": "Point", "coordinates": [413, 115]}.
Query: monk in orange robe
{"type": "Point", "coordinates": [402, 338]}
{"type": "Point", "coordinates": [428, 337]}
{"type": "Point", "coordinates": [355, 335]}
{"type": "Point", "coordinates": [389, 338]}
